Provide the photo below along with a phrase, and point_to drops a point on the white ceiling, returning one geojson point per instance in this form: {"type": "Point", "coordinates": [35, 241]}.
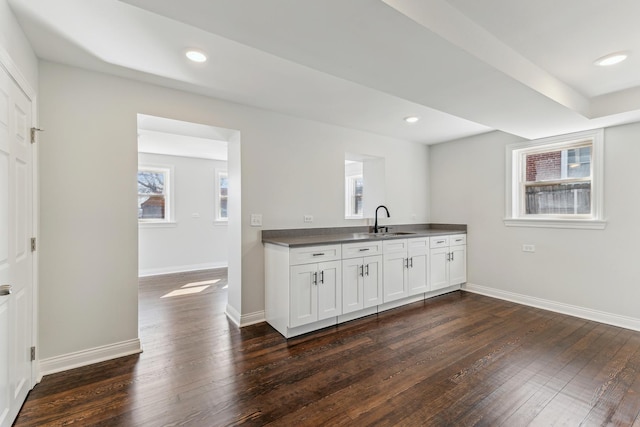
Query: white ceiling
{"type": "Point", "coordinates": [464, 66]}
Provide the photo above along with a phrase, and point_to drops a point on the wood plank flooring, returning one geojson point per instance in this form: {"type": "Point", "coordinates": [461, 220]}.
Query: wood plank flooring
{"type": "Point", "coordinates": [457, 360]}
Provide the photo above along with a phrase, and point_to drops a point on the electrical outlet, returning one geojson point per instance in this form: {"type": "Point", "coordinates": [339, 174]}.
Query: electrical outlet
{"type": "Point", "coordinates": [528, 248]}
{"type": "Point", "coordinates": [308, 218]}
{"type": "Point", "coordinates": [256, 220]}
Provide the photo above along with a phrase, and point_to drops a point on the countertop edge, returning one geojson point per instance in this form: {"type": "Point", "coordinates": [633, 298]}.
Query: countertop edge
{"type": "Point", "coordinates": [308, 239]}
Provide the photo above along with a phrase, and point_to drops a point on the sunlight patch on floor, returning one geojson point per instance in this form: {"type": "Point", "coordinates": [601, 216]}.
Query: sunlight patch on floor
{"type": "Point", "coordinates": [186, 291]}
{"type": "Point", "coordinates": [206, 282]}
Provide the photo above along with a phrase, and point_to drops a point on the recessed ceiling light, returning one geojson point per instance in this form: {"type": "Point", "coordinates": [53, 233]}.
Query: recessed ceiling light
{"type": "Point", "coordinates": [411, 119]}
{"type": "Point", "coordinates": [196, 56]}
{"type": "Point", "coordinates": [611, 59]}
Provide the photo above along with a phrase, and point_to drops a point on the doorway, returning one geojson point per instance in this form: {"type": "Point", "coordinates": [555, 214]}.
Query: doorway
{"type": "Point", "coordinates": [188, 198]}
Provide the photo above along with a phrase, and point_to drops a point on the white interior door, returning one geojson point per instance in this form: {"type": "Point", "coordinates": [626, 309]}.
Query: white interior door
{"type": "Point", "coordinates": [16, 260]}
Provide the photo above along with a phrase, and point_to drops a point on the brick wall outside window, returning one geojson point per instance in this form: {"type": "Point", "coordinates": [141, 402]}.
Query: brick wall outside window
{"type": "Point", "coordinates": [544, 166]}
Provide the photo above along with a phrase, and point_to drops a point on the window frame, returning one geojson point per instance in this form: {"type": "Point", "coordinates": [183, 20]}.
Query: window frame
{"type": "Point", "coordinates": [349, 192]}
{"type": "Point", "coordinates": [168, 171]}
{"type": "Point", "coordinates": [218, 205]}
{"type": "Point", "coordinates": [515, 215]}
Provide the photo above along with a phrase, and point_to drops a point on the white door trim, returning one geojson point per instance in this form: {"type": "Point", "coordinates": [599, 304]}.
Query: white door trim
{"type": "Point", "coordinates": [14, 72]}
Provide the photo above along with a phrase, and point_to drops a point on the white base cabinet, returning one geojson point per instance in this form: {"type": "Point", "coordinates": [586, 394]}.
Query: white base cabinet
{"type": "Point", "coordinates": [448, 258]}
{"type": "Point", "coordinates": [310, 288]}
{"type": "Point", "coordinates": [315, 292]}
{"type": "Point", "coordinates": [361, 276]}
{"type": "Point", "coordinates": [405, 267]}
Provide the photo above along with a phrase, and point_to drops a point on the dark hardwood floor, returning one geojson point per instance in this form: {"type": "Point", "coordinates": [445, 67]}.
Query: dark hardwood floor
{"type": "Point", "coordinates": [457, 360]}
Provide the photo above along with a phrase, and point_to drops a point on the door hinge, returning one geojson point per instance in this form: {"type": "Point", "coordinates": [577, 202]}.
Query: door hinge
{"type": "Point", "coordinates": [33, 244]}
{"type": "Point", "coordinates": [33, 134]}
{"type": "Point", "coordinates": [33, 354]}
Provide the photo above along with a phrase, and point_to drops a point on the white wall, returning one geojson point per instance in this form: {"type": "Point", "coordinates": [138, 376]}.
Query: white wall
{"type": "Point", "coordinates": [290, 167]}
{"type": "Point", "coordinates": [195, 241]}
{"type": "Point", "coordinates": [17, 47]}
{"type": "Point", "coordinates": [591, 269]}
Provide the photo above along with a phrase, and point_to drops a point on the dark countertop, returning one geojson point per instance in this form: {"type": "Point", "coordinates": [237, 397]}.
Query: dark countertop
{"type": "Point", "coordinates": [327, 236]}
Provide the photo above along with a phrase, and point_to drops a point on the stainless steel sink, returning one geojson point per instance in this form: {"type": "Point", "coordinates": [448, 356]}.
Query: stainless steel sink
{"type": "Point", "coordinates": [399, 233]}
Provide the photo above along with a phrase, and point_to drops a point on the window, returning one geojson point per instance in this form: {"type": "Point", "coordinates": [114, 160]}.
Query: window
{"type": "Point", "coordinates": [353, 189]}
{"type": "Point", "coordinates": [556, 182]}
{"type": "Point", "coordinates": [222, 195]}
{"type": "Point", "coordinates": [153, 194]}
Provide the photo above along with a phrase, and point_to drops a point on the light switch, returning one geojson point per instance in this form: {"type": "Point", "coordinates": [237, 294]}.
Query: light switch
{"type": "Point", "coordinates": [256, 220]}
{"type": "Point", "coordinates": [308, 218]}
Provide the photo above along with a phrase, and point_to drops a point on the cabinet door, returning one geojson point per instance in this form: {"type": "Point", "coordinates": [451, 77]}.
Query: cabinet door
{"type": "Point", "coordinates": [329, 289]}
{"type": "Point", "coordinates": [352, 285]}
{"type": "Point", "coordinates": [303, 304]}
{"type": "Point", "coordinates": [439, 268]}
{"type": "Point", "coordinates": [417, 274]}
{"type": "Point", "coordinates": [418, 254]}
{"type": "Point", "coordinates": [372, 281]}
{"type": "Point", "coordinates": [394, 284]}
{"type": "Point", "coordinates": [458, 265]}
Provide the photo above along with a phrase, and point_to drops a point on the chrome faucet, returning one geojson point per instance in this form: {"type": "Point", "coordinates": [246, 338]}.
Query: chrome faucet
{"type": "Point", "coordinates": [375, 227]}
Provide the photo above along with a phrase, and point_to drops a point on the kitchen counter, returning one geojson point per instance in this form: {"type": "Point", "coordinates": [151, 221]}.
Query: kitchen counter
{"type": "Point", "coordinates": [324, 236]}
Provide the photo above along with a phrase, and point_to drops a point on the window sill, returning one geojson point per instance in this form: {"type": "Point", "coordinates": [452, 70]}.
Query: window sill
{"type": "Point", "coordinates": [585, 224]}
{"type": "Point", "coordinates": [219, 222]}
{"type": "Point", "coordinates": [159, 224]}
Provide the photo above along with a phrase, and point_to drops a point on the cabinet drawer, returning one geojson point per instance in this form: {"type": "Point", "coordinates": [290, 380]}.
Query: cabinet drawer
{"type": "Point", "coordinates": [391, 246]}
{"type": "Point", "coordinates": [311, 254]}
{"type": "Point", "coordinates": [356, 250]}
{"type": "Point", "coordinates": [439, 241]}
{"type": "Point", "coordinates": [458, 239]}
{"type": "Point", "coordinates": [418, 246]}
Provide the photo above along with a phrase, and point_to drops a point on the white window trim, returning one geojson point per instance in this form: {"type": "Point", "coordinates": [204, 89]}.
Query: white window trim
{"type": "Point", "coordinates": [218, 220]}
{"type": "Point", "coordinates": [349, 196]}
{"type": "Point", "coordinates": [595, 221]}
{"type": "Point", "coordinates": [169, 214]}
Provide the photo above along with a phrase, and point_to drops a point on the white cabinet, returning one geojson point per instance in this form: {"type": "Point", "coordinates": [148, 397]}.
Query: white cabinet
{"type": "Point", "coordinates": [418, 256]}
{"type": "Point", "coordinates": [361, 276]}
{"type": "Point", "coordinates": [448, 258]}
{"type": "Point", "coordinates": [303, 289]}
{"type": "Point", "coordinates": [309, 288]}
{"type": "Point", "coordinates": [315, 292]}
{"type": "Point", "coordinates": [405, 267]}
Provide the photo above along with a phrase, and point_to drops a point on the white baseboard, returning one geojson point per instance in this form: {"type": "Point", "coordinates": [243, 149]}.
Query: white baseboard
{"type": "Point", "coordinates": [233, 315]}
{"type": "Point", "coordinates": [77, 359]}
{"type": "Point", "coordinates": [145, 272]}
{"type": "Point", "coordinates": [558, 307]}
{"type": "Point", "coordinates": [252, 318]}
{"type": "Point", "coordinates": [246, 319]}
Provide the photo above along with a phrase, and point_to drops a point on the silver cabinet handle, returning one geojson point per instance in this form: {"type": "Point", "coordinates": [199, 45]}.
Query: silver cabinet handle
{"type": "Point", "coordinates": [451, 256]}
{"type": "Point", "coordinates": [411, 259]}
{"type": "Point", "coordinates": [362, 271]}
{"type": "Point", "coordinates": [5, 290]}
{"type": "Point", "coordinates": [440, 241]}
{"type": "Point", "coordinates": [319, 254]}
{"type": "Point", "coordinates": [364, 249]}
{"type": "Point", "coordinates": [322, 276]}
{"type": "Point", "coordinates": [315, 278]}
{"type": "Point", "coordinates": [367, 272]}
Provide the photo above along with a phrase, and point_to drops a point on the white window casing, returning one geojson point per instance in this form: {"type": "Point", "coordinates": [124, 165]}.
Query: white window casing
{"type": "Point", "coordinates": [169, 212]}
{"type": "Point", "coordinates": [220, 218]}
{"type": "Point", "coordinates": [515, 180]}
